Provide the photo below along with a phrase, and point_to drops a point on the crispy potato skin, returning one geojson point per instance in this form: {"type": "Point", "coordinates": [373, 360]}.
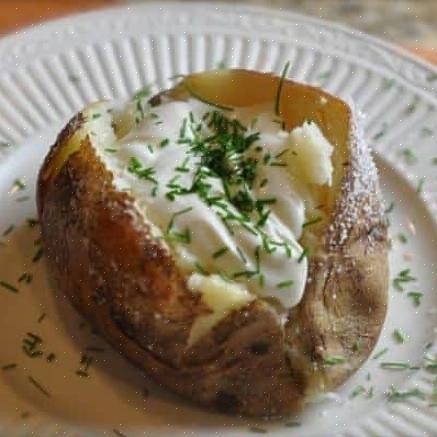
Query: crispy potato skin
{"type": "Point", "coordinates": [101, 255]}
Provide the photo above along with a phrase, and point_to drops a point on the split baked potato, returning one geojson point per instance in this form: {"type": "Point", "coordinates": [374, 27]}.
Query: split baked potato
{"type": "Point", "coordinates": [253, 355]}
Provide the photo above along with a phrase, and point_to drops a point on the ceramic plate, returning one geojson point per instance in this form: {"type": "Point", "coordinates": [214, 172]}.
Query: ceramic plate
{"type": "Point", "coordinates": [50, 71]}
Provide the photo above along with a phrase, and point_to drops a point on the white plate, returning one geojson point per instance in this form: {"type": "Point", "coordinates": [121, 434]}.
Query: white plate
{"type": "Point", "coordinates": [49, 72]}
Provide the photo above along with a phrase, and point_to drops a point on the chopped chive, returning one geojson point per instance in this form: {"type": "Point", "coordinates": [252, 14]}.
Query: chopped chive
{"type": "Point", "coordinates": [263, 218]}
{"type": "Point", "coordinates": [249, 229]}
{"type": "Point", "coordinates": [303, 255]}
{"type": "Point", "coordinates": [356, 347]}
{"type": "Point", "coordinates": [411, 108]}
{"type": "Point", "coordinates": [400, 396]}
{"type": "Point", "coordinates": [266, 201]}
{"type": "Point", "coordinates": [416, 297]}
{"type": "Point", "coordinates": [246, 273]}
{"type": "Point", "coordinates": [36, 384]}
{"type": "Point", "coordinates": [312, 222]}
{"type": "Point", "coordinates": [409, 156]}
{"type": "Point", "coordinates": [176, 214]}
{"type": "Point", "coordinates": [31, 222]}
{"type": "Point", "coordinates": [85, 363]}
{"type": "Point", "coordinates": [426, 132]}
{"type": "Point", "coordinates": [110, 150]}
{"type": "Point", "coordinates": [183, 168]}
{"type": "Point", "coordinates": [257, 258]}
{"type": "Point", "coordinates": [430, 363]}
{"type": "Point", "coordinates": [280, 86]}
{"type": "Point", "coordinates": [402, 238]}
{"type": "Point", "coordinates": [183, 128]}
{"type": "Point", "coordinates": [8, 230]}
{"type": "Point", "coordinates": [220, 252]}
{"type": "Point", "coordinates": [404, 276]}
{"type": "Point", "coordinates": [18, 185]}
{"type": "Point", "coordinates": [181, 237]}
{"type": "Point", "coordinates": [267, 157]}
{"type": "Point", "coordinates": [164, 142]}
{"type": "Point", "coordinates": [95, 116]}
{"type": "Point", "coordinates": [51, 357]}
{"type": "Point", "coordinates": [390, 208]}
{"type": "Point", "coordinates": [136, 167]}
{"type": "Point", "coordinates": [263, 183]}
{"type": "Point", "coordinates": [388, 83]}
{"type": "Point", "coordinates": [11, 366]}
{"type": "Point", "coordinates": [25, 277]}
{"type": "Point", "coordinates": [31, 344]}
{"type": "Point", "coordinates": [379, 135]}
{"type": "Point", "coordinates": [395, 366]}
{"type": "Point", "coordinates": [9, 286]}
{"type": "Point", "coordinates": [38, 255]}
{"type": "Point", "coordinates": [282, 153]}
{"type": "Point", "coordinates": [191, 117]}
{"type": "Point", "coordinates": [224, 276]}
{"type": "Point", "coordinates": [221, 65]}
{"type": "Point", "coordinates": [399, 336]}
{"type": "Point", "coordinates": [285, 284]}
{"type": "Point", "coordinates": [380, 353]}
{"type": "Point", "coordinates": [381, 132]}
{"type": "Point", "coordinates": [334, 360]}
{"type": "Point", "coordinates": [359, 390]}
{"type": "Point", "coordinates": [292, 424]}
{"type": "Point", "coordinates": [200, 269]}
{"type": "Point", "coordinates": [142, 93]}
{"type": "Point", "coordinates": [241, 255]}
{"type": "Point", "coordinates": [420, 184]}
{"type": "Point", "coordinates": [257, 430]}
{"type": "Point", "coordinates": [278, 164]}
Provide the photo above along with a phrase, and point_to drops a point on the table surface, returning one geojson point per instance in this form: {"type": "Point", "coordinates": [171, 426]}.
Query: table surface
{"type": "Point", "coordinates": [410, 23]}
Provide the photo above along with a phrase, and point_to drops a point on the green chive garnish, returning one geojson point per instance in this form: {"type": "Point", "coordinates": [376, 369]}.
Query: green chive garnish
{"type": "Point", "coordinates": [9, 286]}
{"type": "Point", "coordinates": [220, 252]}
{"type": "Point", "coordinates": [334, 360]}
{"type": "Point", "coordinates": [280, 86]}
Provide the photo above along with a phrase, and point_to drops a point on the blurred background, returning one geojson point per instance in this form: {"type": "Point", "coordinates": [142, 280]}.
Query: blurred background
{"type": "Point", "coordinates": [409, 23]}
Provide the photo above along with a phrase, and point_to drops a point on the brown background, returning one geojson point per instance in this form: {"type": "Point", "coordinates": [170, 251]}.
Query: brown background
{"type": "Point", "coordinates": [410, 23]}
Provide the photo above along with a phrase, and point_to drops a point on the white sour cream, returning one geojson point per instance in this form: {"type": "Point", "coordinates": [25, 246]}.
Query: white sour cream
{"type": "Point", "coordinates": [209, 244]}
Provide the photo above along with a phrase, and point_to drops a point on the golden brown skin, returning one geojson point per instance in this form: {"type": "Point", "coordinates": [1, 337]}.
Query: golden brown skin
{"type": "Point", "coordinates": [100, 253]}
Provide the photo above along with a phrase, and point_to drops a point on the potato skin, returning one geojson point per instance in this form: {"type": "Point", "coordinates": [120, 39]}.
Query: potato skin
{"type": "Point", "coordinates": [101, 255]}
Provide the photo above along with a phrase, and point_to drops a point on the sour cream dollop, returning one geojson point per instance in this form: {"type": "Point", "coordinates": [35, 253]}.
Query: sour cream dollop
{"type": "Point", "coordinates": [246, 233]}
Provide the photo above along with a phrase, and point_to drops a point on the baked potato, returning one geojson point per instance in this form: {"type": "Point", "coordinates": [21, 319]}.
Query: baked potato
{"type": "Point", "coordinates": [214, 338]}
